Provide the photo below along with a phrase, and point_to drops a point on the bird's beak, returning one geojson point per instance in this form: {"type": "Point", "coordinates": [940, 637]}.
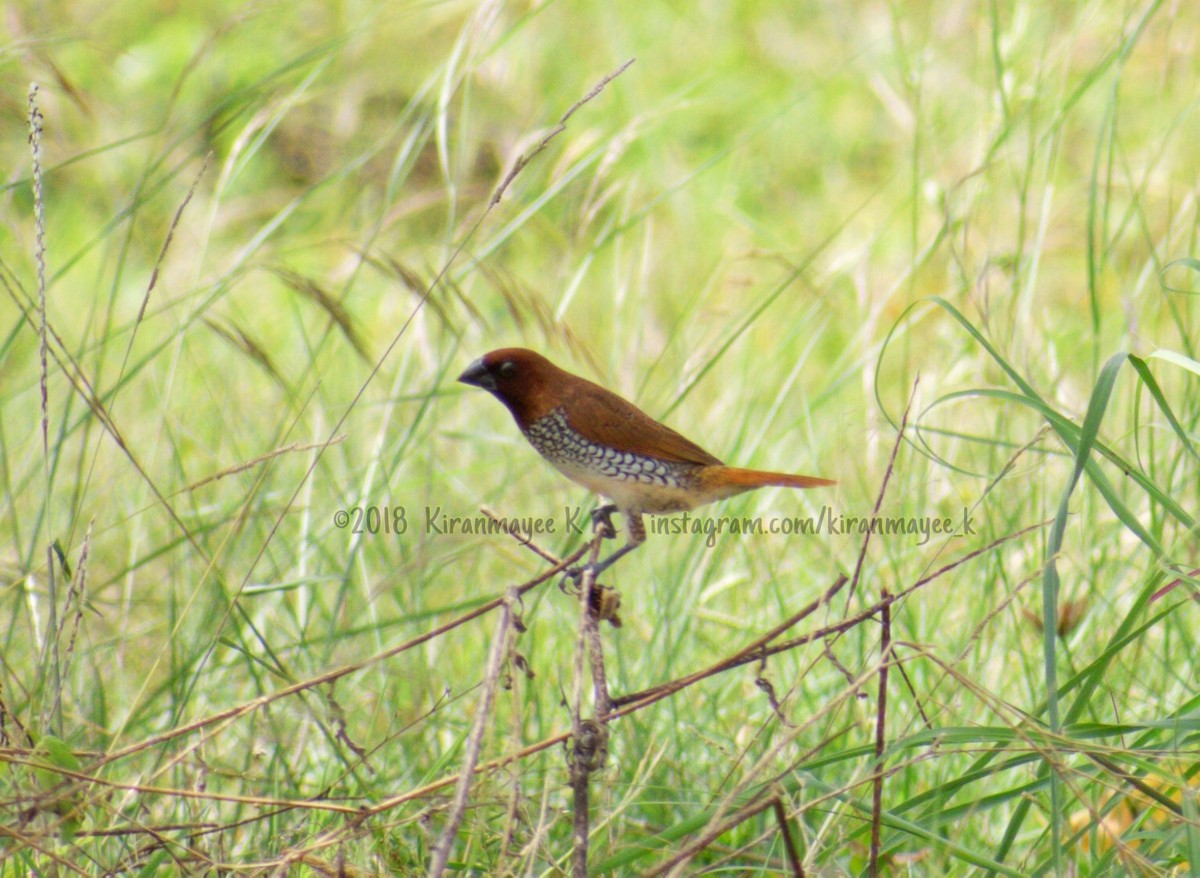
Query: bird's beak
{"type": "Point", "coordinates": [478, 375]}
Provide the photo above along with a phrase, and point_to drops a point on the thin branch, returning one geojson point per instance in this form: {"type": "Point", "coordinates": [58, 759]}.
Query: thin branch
{"type": "Point", "coordinates": [525, 158]}
{"type": "Point", "coordinates": [491, 678]}
{"type": "Point", "coordinates": [162, 254]}
{"type": "Point", "coordinates": [789, 843]}
{"type": "Point", "coordinates": [851, 621]}
{"type": "Point", "coordinates": [337, 673]}
{"type": "Point", "coordinates": [255, 461]}
{"type": "Point", "coordinates": [83, 778]}
{"type": "Point", "coordinates": [586, 735]}
{"type": "Point", "coordinates": [712, 835]}
{"type": "Point", "coordinates": [887, 477]}
{"type": "Point", "coordinates": [880, 733]}
{"type": "Point", "coordinates": [752, 652]}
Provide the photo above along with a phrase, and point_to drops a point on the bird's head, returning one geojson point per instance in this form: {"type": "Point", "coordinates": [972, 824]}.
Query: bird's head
{"type": "Point", "coordinates": [524, 381]}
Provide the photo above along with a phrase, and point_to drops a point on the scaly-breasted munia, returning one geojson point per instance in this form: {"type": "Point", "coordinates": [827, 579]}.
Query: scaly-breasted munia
{"type": "Point", "coordinates": [596, 438]}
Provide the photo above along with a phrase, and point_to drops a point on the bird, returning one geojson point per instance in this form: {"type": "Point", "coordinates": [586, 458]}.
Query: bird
{"type": "Point", "coordinates": [610, 446]}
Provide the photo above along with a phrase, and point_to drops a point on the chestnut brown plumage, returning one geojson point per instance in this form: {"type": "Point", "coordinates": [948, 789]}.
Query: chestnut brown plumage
{"type": "Point", "coordinates": [609, 445]}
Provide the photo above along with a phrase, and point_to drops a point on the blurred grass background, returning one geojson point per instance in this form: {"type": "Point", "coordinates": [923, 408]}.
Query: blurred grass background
{"type": "Point", "coordinates": [742, 234]}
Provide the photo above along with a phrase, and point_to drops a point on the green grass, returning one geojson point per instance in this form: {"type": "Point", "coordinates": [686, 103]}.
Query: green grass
{"type": "Point", "coordinates": [768, 230]}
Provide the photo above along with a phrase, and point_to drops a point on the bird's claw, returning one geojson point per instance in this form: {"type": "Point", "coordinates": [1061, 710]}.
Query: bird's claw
{"type": "Point", "coordinates": [602, 521]}
{"type": "Point", "coordinates": [601, 524]}
{"type": "Point", "coordinates": [575, 574]}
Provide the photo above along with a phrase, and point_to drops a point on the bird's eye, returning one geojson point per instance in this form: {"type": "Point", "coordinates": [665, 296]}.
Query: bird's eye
{"type": "Point", "coordinates": [508, 369]}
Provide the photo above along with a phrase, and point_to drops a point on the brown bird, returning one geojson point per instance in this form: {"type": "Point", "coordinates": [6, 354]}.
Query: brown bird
{"type": "Point", "coordinates": [597, 439]}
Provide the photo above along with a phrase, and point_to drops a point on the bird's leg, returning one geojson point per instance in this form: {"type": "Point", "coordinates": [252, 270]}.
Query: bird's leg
{"type": "Point", "coordinates": [637, 536]}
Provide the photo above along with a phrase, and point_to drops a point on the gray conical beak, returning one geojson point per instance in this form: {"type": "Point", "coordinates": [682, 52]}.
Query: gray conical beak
{"type": "Point", "coordinates": [478, 375]}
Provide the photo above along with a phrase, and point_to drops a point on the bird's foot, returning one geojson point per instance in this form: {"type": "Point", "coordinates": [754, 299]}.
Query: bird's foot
{"type": "Point", "coordinates": [598, 567]}
{"type": "Point", "coordinates": [601, 524]}
{"type": "Point", "coordinates": [602, 521]}
{"type": "Point", "coordinates": [575, 575]}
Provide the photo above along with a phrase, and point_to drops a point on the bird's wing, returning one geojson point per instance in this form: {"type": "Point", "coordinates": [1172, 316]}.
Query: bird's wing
{"type": "Point", "coordinates": [607, 419]}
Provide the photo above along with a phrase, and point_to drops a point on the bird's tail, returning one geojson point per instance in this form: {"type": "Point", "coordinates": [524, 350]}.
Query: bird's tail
{"type": "Point", "coordinates": [734, 480]}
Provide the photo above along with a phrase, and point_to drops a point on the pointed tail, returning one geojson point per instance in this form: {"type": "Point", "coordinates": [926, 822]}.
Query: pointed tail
{"type": "Point", "coordinates": [726, 481]}
{"type": "Point", "coordinates": [748, 479]}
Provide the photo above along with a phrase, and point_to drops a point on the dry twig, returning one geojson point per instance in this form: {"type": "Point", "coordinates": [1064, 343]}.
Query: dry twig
{"type": "Point", "coordinates": [589, 738]}
{"type": "Point", "coordinates": [885, 615]}
{"type": "Point", "coordinates": [483, 713]}
{"type": "Point", "coordinates": [525, 158]}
